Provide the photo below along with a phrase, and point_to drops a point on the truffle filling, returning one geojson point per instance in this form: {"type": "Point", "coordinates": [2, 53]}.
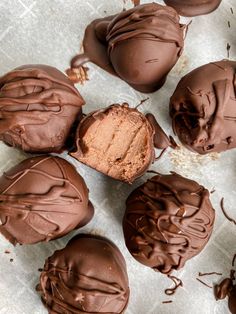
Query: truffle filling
{"type": "Point", "coordinates": [116, 143]}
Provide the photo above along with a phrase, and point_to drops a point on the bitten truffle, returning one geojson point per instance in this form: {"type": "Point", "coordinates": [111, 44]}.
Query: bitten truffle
{"type": "Point", "coordinates": [140, 45]}
{"type": "Point", "coordinates": [119, 141]}
{"type": "Point", "coordinates": [203, 108]}
{"type": "Point", "coordinates": [41, 199]}
{"type": "Point", "coordinates": [168, 220]}
{"type": "Point", "coordinates": [87, 276]}
{"type": "Point", "coordinates": [38, 106]}
{"type": "Point", "coordinates": [193, 7]}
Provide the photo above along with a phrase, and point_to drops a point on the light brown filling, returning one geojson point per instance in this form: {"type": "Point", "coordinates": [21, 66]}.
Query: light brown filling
{"type": "Point", "coordinates": [118, 144]}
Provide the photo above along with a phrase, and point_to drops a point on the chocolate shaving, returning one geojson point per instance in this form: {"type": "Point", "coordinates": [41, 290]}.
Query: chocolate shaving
{"type": "Point", "coordinates": [205, 284]}
{"type": "Point", "coordinates": [233, 260]}
{"type": "Point", "coordinates": [141, 102]}
{"type": "Point", "coordinates": [161, 154]}
{"type": "Point", "coordinates": [229, 24]}
{"type": "Point", "coordinates": [232, 11]}
{"type": "Point", "coordinates": [209, 274]}
{"type": "Point", "coordinates": [213, 191]}
{"type": "Point", "coordinates": [165, 302]}
{"type": "Point", "coordinates": [228, 49]}
{"type": "Point", "coordinates": [224, 212]}
{"type": "Point", "coordinates": [177, 283]}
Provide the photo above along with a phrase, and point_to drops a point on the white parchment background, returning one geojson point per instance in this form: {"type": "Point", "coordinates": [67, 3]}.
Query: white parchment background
{"type": "Point", "coordinates": [50, 32]}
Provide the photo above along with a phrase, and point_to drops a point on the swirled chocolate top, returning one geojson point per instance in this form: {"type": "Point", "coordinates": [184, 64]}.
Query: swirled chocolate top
{"type": "Point", "coordinates": [87, 276]}
{"type": "Point", "coordinates": [139, 45]}
{"type": "Point", "coordinates": [193, 7]}
{"type": "Point", "coordinates": [41, 199]}
{"type": "Point", "coordinates": [38, 106]}
{"type": "Point", "coordinates": [168, 220]}
{"type": "Point", "coordinates": [203, 108]}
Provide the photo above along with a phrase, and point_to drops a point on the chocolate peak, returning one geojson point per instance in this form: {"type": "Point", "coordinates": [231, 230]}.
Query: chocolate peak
{"type": "Point", "coordinates": [38, 106]}
{"type": "Point", "coordinates": [41, 199]}
{"type": "Point", "coordinates": [168, 220]}
{"type": "Point", "coordinates": [139, 45]}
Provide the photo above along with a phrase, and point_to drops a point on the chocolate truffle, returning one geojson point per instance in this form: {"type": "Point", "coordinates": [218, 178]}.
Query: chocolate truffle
{"type": "Point", "coordinates": [168, 220]}
{"type": "Point", "coordinates": [140, 45]}
{"type": "Point", "coordinates": [193, 7]}
{"type": "Point", "coordinates": [41, 199]}
{"type": "Point", "coordinates": [38, 106]}
{"type": "Point", "coordinates": [203, 108]}
{"type": "Point", "coordinates": [87, 276]}
{"type": "Point", "coordinates": [119, 141]}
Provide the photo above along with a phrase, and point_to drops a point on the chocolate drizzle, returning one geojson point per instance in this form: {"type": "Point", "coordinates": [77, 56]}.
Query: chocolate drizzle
{"type": "Point", "coordinates": [177, 283]}
{"type": "Point", "coordinates": [87, 276]}
{"type": "Point", "coordinates": [41, 199]}
{"type": "Point", "coordinates": [202, 108]}
{"type": "Point", "coordinates": [225, 213]}
{"type": "Point", "coordinates": [168, 220]}
{"type": "Point", "coordinates": [125, 45]}
{"type": "Point", "coordinates": [38, 105]}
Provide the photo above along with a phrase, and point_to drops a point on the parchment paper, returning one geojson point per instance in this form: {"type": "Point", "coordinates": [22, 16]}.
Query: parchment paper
{"type": "Point", "coordinates": [50, 32]}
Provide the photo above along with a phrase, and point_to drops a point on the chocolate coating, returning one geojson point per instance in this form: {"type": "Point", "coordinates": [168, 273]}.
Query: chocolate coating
{"type": "Point", "coordinates": [38, 106]}
{"type": "Point", "coordinates": [224, 289]}
{"type": "Point", "coordinates": [139, 45]}
{"type": "Point", "coordinates": [193, 7]}
{"type": "Point", "coordinates": [203, 108]}
{"type": "Point", "coordinates": [87, 276]}
{"type": "Point", "coordinates": [168, 220]}
{"type": "Point", "coordinates": [119, 141]}
{"type": "Point", "coordinates": [41, 199]}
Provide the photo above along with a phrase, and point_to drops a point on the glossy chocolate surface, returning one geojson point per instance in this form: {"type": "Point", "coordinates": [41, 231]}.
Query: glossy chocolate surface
{"type": "Point", "coordinates": [38, 106]}
{"type": "Point", "coordinates": [193, 7]}
{"type": "Point", "coordinates": [41, 199]}
{"type": "Point", "coordinates": [168, 220]}
{"type": "Point", "coordinates": [139, 45]}
{"type": "Point", "coordinates": [203, 108]}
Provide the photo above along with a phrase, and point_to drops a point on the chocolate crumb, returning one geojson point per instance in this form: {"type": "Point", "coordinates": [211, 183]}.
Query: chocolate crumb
{"type": "Point", "coordinates": [11, 260]}
{"type": "Point", "coordinates": [40, 270]}
{"type": "Point", "coordinates": [7, 252]}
